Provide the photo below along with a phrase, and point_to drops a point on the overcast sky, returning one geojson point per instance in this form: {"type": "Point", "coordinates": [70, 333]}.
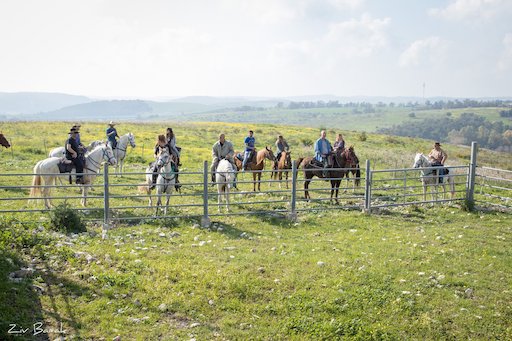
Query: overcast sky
{"type": "Point", "coordinates": [154, 48]}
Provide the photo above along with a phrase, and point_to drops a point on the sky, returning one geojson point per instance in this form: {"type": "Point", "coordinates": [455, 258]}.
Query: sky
{"type": "Point", "coordinates": [268, 48]}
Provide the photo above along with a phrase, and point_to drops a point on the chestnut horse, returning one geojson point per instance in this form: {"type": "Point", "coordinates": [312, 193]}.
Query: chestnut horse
{"type": "Point", "coordinates": [3, 141]}
{"type": "Point", "coordinates": [283, 166]}
{"type": "Point", "coordinates": [256, 164]}
{"type": "Point", "coordinates": [311, 168]}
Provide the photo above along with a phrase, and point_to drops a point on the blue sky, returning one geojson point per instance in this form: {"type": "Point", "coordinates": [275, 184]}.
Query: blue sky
{"type": "Point", "coordinates": [157, 48]}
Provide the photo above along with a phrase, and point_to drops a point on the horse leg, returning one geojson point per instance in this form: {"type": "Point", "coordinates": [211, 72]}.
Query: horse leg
{"type": "Point", "coordinates": [219, 194]}
{"type": "Point", "coordinates": [158, 201]}
{"type": "Point", "coordinates": [337, 188]}
{"type": "Point", "coordinates": [424, 191]}
{"type": "Point", "coordinates": [85, 189]}
{"type": "Point", "coordinates": [226, 193]}
{"type": "Point", "coordinates": [46, 191]}
{"type": "Point", "coordinates": [168, 199]}
{"type": "Point", "coordinates": [306, 192]}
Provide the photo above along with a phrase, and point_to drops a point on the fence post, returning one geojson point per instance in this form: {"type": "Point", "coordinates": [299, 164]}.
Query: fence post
{"type": "Point", "coordinates": [368, 189]}
{"type": "Point", "coordinates": [106, 206]}
{"type": "Point", "coordinates": [205, 220]}
{"type": "Point", "coordinates": [293, 212]}
{"type": "Point", "coordinates": [471, 176]}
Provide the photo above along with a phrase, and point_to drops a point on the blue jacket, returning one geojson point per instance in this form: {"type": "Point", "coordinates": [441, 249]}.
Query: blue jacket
{"type": "Point", "coordinates": [318, 148]}
{"type": "Point", "coordinates": [249, 142]}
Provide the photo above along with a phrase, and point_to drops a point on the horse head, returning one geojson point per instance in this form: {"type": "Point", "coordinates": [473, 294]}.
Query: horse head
{"type": "Point", "coordinates": [349, 155]}
{"type": "Point", "coordinates": [287, 160]}
{"type": "Point", "coordinates": [269, 154]}
{"type": "Point", "coordinates": [3, 141]}
{"type": "Point", "coordinates": [131, 139]}
{"type": "Point", "coordinates": [108, 155]}
{"type": "Point", "coordinates": [163, 158]}
{"type": "Point", "coordinates": [420, 161]}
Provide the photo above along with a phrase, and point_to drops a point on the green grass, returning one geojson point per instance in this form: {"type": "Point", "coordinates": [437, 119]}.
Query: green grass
{"type": "Point", "coordinates": [404, 273]}
{"type": "Point", "coordinates": [394, 276]}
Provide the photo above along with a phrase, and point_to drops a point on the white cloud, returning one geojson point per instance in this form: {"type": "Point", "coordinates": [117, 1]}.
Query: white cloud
{"type": "Point", "coordinates": [505, 62]}
{"type": "Point", "coordinates": [342, 4]}
{"type": "Point", "coordinates": [471, 9]}
{"type": "Point", "coordinates": [358, 38]}
{"type": "Point", "coordinates": [429, 50]}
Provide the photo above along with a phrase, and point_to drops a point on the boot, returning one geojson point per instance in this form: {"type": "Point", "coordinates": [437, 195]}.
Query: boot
{"type": "Point", "coordinates": [155, 176]}
{"type": "Point", "coordinates": [177, 185]}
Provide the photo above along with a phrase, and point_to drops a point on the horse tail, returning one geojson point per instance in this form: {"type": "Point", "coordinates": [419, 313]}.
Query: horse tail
{"type": "Point", "coordinates": [143, 188]}
{"type": "Point", "coordinates": [299, 162]}
{"type": "Point", "coordinates": [35, 190]}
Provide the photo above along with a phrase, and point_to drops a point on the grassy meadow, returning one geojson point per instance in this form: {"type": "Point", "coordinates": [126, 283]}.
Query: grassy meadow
{"type": "Point", "coordinates": [412, 272]}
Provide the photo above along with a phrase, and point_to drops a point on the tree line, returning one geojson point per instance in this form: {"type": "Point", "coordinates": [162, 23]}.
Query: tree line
{"type": "Point", "coordinates": [462, 130]}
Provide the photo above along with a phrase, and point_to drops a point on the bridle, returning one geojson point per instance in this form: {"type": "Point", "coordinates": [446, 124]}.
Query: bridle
{"type": "Point", "coordinates": [97, 164]}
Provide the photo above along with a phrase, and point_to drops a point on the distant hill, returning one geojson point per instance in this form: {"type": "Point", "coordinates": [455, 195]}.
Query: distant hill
{"type": "Point", "coordinates": [30, 103]}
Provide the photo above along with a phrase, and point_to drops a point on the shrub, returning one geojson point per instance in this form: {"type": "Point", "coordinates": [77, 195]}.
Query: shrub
{"type": "Point", "coordinates": [412, 114]}
{"type": "Point", "coordinates": [306, 142]}
{"type": "Point", "coordinates": [65, 219]}
{"type": "Point", "coordinates": [362, 136]}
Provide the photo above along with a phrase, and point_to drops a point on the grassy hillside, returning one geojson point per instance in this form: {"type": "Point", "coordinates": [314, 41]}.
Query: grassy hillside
{"type": "Point", "coordinates": [406, 273]}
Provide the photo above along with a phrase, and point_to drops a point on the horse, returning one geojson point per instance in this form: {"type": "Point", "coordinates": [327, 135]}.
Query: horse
{"type": "Point", "coordinates": [47, 171]}
{"type": "Point", "coordinates": [284, 165]}
{"type": "Point", "coordinates": [3, 141]}
{"type": "Point", "coordinates": [166, 179]}
{"type": "Point", "coordinates": [354, 169]}
{"type": "Point", "coordinates": [430, 178]}
{"type": "Point", "coordinates": [61, 151]}
{"type": "Point", "coordinates": [225, 178]}
{"type": "Point", "coordinates": [335, 173]}
{"type": "Point", "coordinates": [257, 163]}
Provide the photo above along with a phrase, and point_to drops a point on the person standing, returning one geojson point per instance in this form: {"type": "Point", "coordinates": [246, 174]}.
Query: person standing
{"type": "Point", "coordinates": [438, 157]}
{"type": "Point", "coordinates": [249, 143]}
{"type": "Point", "coordinates": [111, 135]}
{"type": "Point", "coordinates": [221, 150]}
{"type": "Point", "coordinates": [72, 154]}
{"type": "Point", "coordinates": [323, 150]}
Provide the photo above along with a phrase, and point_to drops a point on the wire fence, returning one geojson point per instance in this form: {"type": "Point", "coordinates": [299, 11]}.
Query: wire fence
{"type": "Point", "coordinates": [115, 197]}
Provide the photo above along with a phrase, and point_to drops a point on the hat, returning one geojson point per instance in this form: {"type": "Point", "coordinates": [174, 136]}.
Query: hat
{"type": "Point", "coordinates": [112, 123]}
{"type": "Point", "coordinates": [73, 130]}
{"type": "Point", "coordinates": [437, 144]}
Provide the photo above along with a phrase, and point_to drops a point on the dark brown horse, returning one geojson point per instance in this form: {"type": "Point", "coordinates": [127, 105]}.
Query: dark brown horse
{"type": "Point", "coordinates": [3, 141]}
{"type": "Point", "coordinates": [343, 160]}
{"type": "Point", "coordinates": [256, 164]}
{"type": "Point", "coordinates": [283, 165]}
{"type": "Point", "coordinates": [354, 169]}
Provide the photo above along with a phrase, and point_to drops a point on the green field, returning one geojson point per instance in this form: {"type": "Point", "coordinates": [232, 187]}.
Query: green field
{"type": "Point", "coordinates": [404, 273]}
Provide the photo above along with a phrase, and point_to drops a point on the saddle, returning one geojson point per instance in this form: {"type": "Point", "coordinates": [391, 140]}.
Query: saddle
{"type": "Point", "coordinates": [65, 165]}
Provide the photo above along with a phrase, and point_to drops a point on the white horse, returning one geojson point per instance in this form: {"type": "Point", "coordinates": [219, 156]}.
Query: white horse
{"type": "Point", "coordinates": [429, 178]}
{"type": "Point", "coordinates": [225, 178]}
{"type": "Point", "coordinates": [146, 187]}
{"type": "Point", "coordinates": [47, 171]}
{"type": "Point", "coordinates": [120, 151]}
{"type": "Point", "coordinates": [166, 179]}
{"type": "Point", "coordinates": [61, 151]}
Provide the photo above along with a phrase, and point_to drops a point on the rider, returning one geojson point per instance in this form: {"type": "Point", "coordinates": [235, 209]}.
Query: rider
{"type": "Point", "coordinates": [72, 154]}
{"type": "Point", "coordinates": [111, 135]}
{"type": "Point", "coordinates": [249, 142]}
{"type": "Point", "coordinates": [438, 157]}
{"type": "Point", "coordinates": [222, 149]}
{"type": "Point", "coordinates": [323, 149]}
{"type": "Point", "coordinates": [339, 144]}
{"type": "Point", "coordinates": [161, 144]}
{"type": "Point", "coordinates": [282, 147]}
{"type": "Point", "coordinates": [82, 149]}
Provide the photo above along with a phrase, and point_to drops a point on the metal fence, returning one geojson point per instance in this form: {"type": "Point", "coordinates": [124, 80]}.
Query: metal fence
{"type": "Point", "coordinates": [117, 198]}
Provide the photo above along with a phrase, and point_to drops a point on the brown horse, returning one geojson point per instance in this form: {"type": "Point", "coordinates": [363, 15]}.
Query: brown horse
{"type": "Point", "coordinates": [283, 165]}
{"type": "Point", "coordinates": [256, 164]}
{"type": "Point", "coordinates": [311, 168]}
{"type": "Point", "coordinates": [3, 141]}
{"type": "Point", "coordinates": [354, 169]}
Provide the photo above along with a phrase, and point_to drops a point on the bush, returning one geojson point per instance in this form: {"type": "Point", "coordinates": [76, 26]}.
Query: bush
{"type": "Point", "coordinates": [306, 142]}
{"type": "Point", "coordinates": [362, 136]}
{"type": "Point", "coordinates": [65, 219]}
